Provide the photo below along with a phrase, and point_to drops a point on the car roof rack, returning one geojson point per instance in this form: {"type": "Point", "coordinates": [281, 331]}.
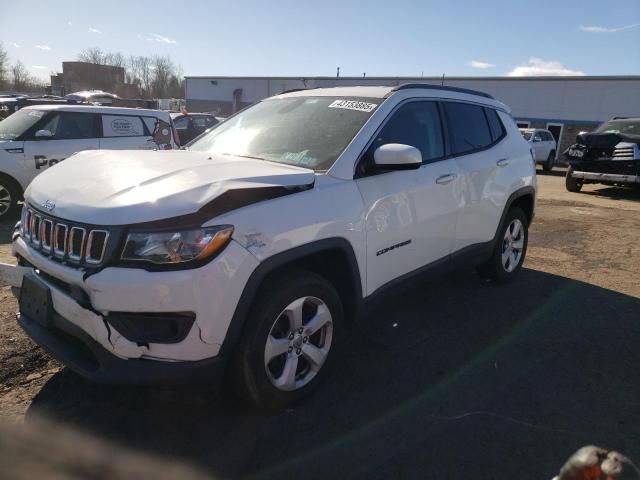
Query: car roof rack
{"type": "Point", "coordinates": [406, 86]}
{"type": "Point", "coordinates": [291, 90]}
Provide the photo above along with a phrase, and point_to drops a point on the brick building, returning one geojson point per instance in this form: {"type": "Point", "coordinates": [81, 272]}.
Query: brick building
{"type": "Point", "coordinates": [77, 76]}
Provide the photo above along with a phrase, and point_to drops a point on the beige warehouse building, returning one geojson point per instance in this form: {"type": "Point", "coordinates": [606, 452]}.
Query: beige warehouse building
{"type": "Point", "coordinates": [564, 105]}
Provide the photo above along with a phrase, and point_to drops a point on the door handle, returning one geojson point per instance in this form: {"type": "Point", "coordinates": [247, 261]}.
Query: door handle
{"type": "Point", "coordinates": [503, 162]}
{"type": "Point", "coordinates": [446, 178]}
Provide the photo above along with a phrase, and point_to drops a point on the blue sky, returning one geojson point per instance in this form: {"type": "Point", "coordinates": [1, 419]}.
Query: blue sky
{"type": "Point", "coordinates": [304, 38]}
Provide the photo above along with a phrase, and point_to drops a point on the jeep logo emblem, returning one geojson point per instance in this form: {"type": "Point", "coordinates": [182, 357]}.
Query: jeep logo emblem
{"type": "Point", "coordinates": [49, 205]}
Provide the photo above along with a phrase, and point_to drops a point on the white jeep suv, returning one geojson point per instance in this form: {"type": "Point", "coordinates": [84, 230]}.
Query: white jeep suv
{"type": "Point", "coordinates": [249, 252]}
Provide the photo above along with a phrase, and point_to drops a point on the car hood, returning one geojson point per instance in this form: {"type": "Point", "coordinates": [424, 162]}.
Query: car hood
{"type": "Point", "coordinates": [119, 187]}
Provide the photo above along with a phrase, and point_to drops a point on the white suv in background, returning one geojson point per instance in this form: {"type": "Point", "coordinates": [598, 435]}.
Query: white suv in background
{"type": "Point", "coordinates": [250, 251]}
{"type": "Point", "coordinates": [543, 145]}
{"type": "Point", "coordinates": [38, 137]}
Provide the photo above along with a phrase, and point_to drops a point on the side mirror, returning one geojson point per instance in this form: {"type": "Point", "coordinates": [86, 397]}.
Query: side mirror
{"type": "Point", "coordinates": [397, 156]}
{"type": "Point", "coordinates": [44, 134]}
{"type": "Point", "coordinates": [537, 138]}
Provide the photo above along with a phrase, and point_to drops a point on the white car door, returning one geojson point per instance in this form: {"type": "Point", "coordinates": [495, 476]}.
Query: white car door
{"type": "Point", "coordinates": [125, 132]}
{"type": "Point", "coordinates": [474, 134]}
{"type": "Point", "coordinates": [61, 134]}
{"type": "Point", "coordinates": [409, 215]}
{"type": "Point", "coordinates": [541, 147]}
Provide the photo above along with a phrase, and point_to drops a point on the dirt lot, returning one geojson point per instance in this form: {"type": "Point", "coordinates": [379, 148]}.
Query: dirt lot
{"type": "Point", "coordinates": [449, 377]}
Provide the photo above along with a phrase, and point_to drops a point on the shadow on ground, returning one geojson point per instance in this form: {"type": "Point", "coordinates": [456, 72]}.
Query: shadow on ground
{"type": "Point", "coordinates": [614, 193]}
{"type": "Point", "coordinates": [457, 379]}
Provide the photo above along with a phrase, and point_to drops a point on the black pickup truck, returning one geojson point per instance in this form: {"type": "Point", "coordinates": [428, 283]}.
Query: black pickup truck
{"type": "Point", "coordinates": [609, 155]}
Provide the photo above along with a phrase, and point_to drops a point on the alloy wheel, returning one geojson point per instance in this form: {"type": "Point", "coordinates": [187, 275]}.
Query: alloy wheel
{"type": "Point", "coordinates": [298, 343]}
{"type": "Point", "coordinates": [5, 200]}
{"type": "Point", "coordinates": [513, 245]}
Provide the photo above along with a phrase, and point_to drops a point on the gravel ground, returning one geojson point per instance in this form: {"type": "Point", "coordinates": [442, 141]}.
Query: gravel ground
{"type": "Point", "coordinates": [445, 378]}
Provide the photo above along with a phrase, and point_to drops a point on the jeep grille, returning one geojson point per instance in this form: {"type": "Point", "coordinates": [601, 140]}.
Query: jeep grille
{"type": "Point", "coordinates": [62, 240]}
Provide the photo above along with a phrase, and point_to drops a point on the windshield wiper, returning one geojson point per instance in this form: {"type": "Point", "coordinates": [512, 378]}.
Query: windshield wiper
{"type": "Point", "coordinates": [242, 156]}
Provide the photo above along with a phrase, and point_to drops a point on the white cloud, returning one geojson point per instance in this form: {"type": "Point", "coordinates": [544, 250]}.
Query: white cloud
{"type": "Point", "coordinates": [70, 24]}
{"type": "Point", "coordinates": [597, 29]}
{"type": "Point", "coordinates": [95, 30]}
{"type": "Point", "coordinates": [154, 37]}
{"type": "Point", "coordinates": [537, 67]}
{"type": "Point", "coordinates": [14, 45]}
{"type": "Point", "coordinates": [46, 48]}
{"type": "Point", "coordinates": [481, 65]}
{"type": "Point", "coordinates": [39, 67]}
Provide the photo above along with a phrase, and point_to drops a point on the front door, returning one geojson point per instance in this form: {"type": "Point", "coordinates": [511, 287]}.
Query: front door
{"type": "Point", "coordinates": [60, 135]}
{"type": "Point", "coordinates": [410, 215]}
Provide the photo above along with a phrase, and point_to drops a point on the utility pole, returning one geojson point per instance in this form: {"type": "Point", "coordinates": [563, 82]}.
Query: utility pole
{"type": "Point", "coordinates": [442, 80]}
{"type": "Point", "coordinates": [364, 75]}
{"type": "Point", "coordinates": [338, 73]}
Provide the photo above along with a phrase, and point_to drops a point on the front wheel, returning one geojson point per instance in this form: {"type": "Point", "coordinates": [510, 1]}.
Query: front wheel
{"type": "Point", "coordinates": [290, 340]}
{"type": "Point", "coordinates": [572, 184]}
{"type": "Point", "coordinates": [8, 198]}
{"type": "Point", "coordinates": [510, 249]}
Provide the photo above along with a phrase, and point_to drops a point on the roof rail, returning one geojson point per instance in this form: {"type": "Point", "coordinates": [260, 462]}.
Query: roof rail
{"type": "Point", "coordinates": [406, 86]}
{"type": "Point", "coordinates": [295, 90]}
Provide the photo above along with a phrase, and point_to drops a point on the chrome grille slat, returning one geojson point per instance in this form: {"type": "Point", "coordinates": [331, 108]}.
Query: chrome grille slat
{"type": "Point", "coordinates": [63, 241]}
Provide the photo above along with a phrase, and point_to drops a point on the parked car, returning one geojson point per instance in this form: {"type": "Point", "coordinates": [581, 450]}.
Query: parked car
{"type": "Point", "coordinates": [609, 155]}
{"type": "Point", "coordinates": [190, 125]}
{"type": "Point", "coordinates": [543, 145]}
{"type": "Point", "coordinates": [248, 253]}
{"type": "Point", "coordinates": [11, 104]}
{"type": "Point", "coordinates": [95, 97]}
{"type": "Point", "coordinates": [38, 137]}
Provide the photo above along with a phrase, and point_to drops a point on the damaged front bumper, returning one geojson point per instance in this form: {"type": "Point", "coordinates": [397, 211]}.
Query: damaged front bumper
{"type": "Point", "coordinates": [78, 333]}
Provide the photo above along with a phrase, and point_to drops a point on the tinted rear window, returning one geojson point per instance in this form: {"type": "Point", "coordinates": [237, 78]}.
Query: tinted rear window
{"type": "Point", "coordinates": [467, 127]}
{"type": "Point", "coordinates": [495, 125]}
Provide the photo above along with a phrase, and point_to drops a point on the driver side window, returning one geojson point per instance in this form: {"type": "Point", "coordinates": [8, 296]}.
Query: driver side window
{"type": "Point", "coordinates": [416, 124]}
{"type": "Point", "coordinates": [70, 125]}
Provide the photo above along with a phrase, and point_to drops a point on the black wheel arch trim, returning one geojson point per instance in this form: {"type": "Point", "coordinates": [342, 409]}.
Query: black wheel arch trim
{"type": "Point", "coordinates": [282, 260]}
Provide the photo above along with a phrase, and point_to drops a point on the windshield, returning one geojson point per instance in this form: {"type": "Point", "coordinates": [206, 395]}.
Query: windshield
{"type": "Point", "coordinates": [526, 135]}
{"type": "Point", "coordinates": [629, 127]}
{"type": "Point", "coordinates": [309, 132]}
{"type": "Point", "coordinates": [15, 125]}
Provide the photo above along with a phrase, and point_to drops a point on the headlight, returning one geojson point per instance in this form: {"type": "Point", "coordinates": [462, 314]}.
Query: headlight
{"type": "Point", "coordinates": [175, 247]}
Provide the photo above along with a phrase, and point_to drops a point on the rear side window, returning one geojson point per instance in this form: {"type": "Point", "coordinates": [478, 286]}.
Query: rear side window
{"type": "Point", "coordinates": [467, 127]}
{"type": "Point", "coordinates": [416, 124]}
{"type": "Point", "coordinates": [70, 125]}
{"type": "Point", "coordinates": [122, 126]}
{"type": "Point", "coordinates": [495, 125]}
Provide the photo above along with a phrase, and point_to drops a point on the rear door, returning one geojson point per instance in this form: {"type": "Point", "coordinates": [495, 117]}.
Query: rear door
{"type": "Point", "coordinates": [70, 132]}
{"type": "Point", "coordinates": [126, 132]}
{"type": "Point", "coordinates": [475, 135]}
{"type": "Point", "coordinates": [410, 215]}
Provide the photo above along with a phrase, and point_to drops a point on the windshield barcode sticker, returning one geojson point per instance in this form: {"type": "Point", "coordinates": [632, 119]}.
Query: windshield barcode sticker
{"type": "Point", "coordinates": [353, 105]}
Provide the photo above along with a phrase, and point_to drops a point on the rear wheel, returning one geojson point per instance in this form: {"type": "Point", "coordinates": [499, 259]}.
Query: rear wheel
{"type": "Point", "coordinates": [290, 340]}
{"type": "Point", "coordinates": [510, 249]}
{"type": "Point", "coordinates": [547, 166]}
{"type": "Point", "coordinates": [572, 184]}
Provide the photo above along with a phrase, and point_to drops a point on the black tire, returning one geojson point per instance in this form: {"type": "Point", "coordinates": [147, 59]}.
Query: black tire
{"type": "Point", "coordinates": [248, 372]}
{"type": "Point", "coordinates": [9, 196]}
{"type": "Point", "coordinates": [493, 269]}
{"type": "Point", "coordinates": [547, 166]}
{"type": "Point", "coordinates": [572, 184]}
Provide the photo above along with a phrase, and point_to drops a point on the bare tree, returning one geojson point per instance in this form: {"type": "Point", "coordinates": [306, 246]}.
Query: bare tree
{"type": "Point", "coordinates": [114, 59]}
{"type": "Point", "coordinates": [92, 55]}
{"type": "Point", "coordinates": [4, 66]}
{"type": "Point", "coordinates": [20, 77]}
